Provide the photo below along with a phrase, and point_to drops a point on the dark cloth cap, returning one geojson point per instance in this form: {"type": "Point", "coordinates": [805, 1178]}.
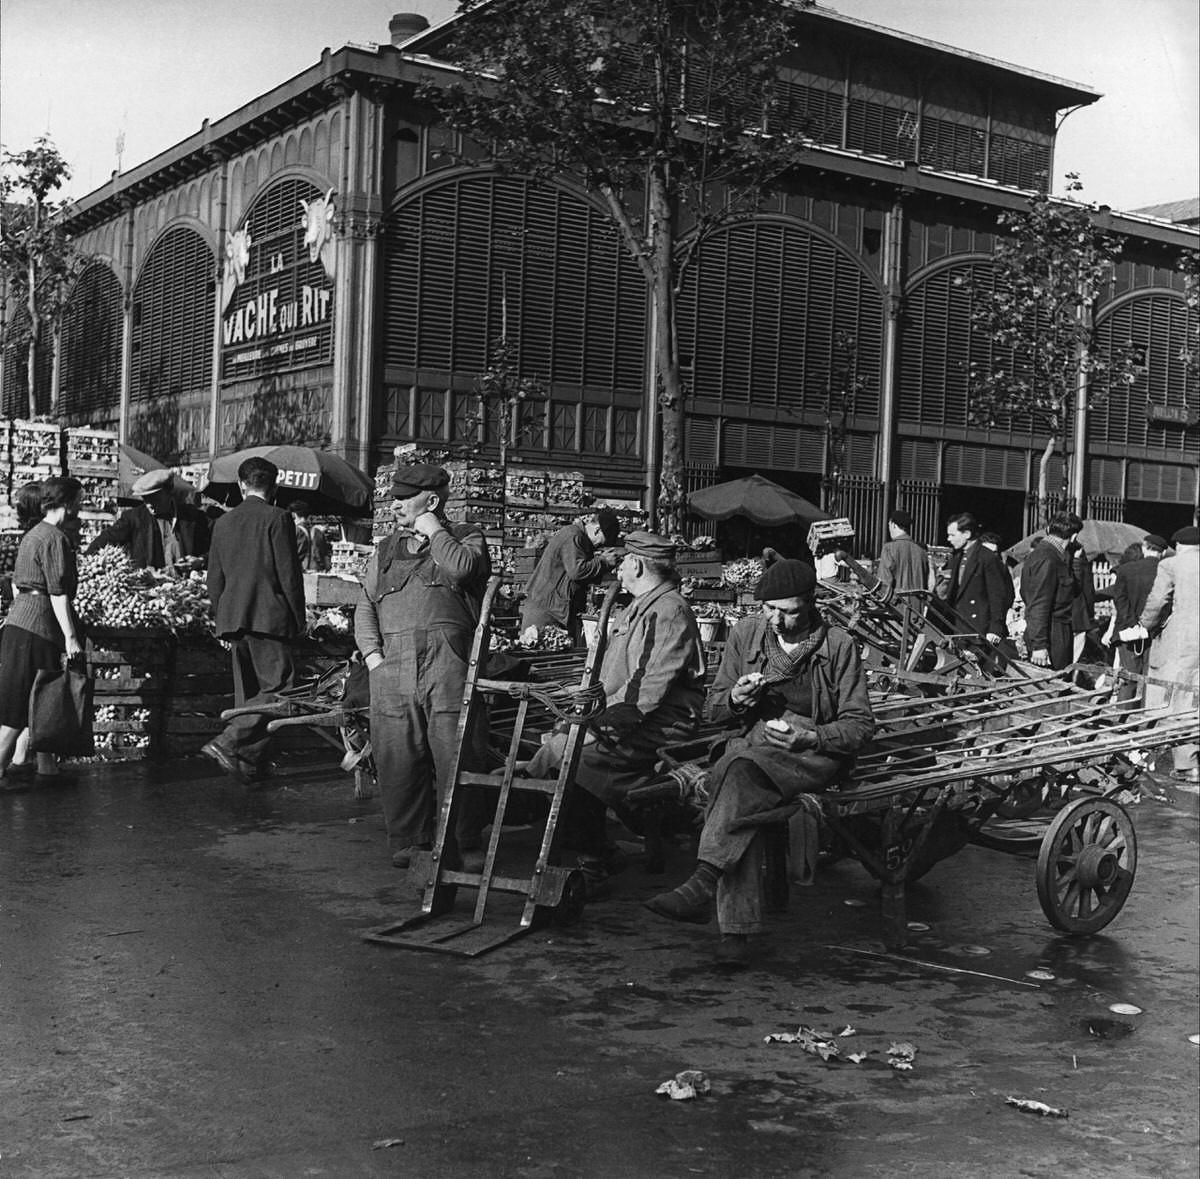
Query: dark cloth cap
{"type": "Point", "coordinates": [650, 545]}
{"type": "Point", "coordinates": [609, 525]}
{"type": "Point", "coordinates": [902, 519]}
{"type": "Point", "coordinates": [1188, 535]}
{"type": "Point", "coordinates": [408, 480]}
{"type": "Point", "coordinates": [786, 579]}
{"type": "Point", "coordinates": [1154, 540]}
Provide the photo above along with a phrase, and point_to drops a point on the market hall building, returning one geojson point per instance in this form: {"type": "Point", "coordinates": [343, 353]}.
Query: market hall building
{"type": "Point", "coordinates": [316, 267]}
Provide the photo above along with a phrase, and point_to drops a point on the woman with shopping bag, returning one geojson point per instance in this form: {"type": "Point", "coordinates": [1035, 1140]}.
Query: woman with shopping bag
{"type": "Point", "coordinates": [41, 631]}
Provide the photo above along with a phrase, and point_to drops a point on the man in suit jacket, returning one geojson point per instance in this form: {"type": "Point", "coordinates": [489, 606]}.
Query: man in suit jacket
{"type": "Point", "coordinates": [159, 531]}
{"type": "Point", "coordinates": [257, 590]}
{"type": "Point", "coordinates": [977, 589]}
{"type": "Point", "coordinates": [1048, 590]}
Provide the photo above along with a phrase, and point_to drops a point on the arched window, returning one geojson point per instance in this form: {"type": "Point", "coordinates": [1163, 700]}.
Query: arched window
{"type": "Point", "coordinates": [480, 256]}
{"type": "Point", "coordinates": [1157, 326]}
{"type": "Point", "coordinates": [767, 310]}
{"type": "Point", "coordinates": [173, 318]}
{"type": "Point", "coordinates": [90, 357]}
{"type": "Point", "coordinates": [16, 368]}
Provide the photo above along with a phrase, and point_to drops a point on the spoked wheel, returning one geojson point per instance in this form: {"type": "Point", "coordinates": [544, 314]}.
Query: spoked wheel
{"type": "Point", "coordinates": [1086, 866]}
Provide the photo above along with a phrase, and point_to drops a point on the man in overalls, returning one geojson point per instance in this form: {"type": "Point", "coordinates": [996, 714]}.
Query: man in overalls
{"type": "Point", "coordinates": [414, 625]}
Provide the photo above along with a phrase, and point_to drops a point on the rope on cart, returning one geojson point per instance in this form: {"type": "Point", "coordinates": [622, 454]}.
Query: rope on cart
{"type": "Point", "coordinates": [568, 702]}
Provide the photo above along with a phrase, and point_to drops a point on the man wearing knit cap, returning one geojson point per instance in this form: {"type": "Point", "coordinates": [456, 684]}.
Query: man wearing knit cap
{"type": "Point", "coordinates": [414, 624]}
{"type": "Point", "coordinates": [903, 563]}
{"type": "Point", "coordinates": [653, 679]}
{"type": "Point", "coordinates": [1175, 647]}
{"type": "Point", "coordinates": [159, 532]}
{"type": "Point", "coordinates": [799, 692]}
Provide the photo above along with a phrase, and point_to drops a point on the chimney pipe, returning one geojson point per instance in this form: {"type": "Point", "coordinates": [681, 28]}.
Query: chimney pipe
{"type": "Point", "coordinates": [406, 25]}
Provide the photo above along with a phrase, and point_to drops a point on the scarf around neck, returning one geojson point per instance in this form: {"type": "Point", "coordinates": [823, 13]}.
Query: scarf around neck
{"type": "Point", "coordinates": [782, 665]}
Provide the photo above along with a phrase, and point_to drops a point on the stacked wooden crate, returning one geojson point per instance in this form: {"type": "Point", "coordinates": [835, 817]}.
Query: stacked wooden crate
{"type": "Point", "coordinates": [132, 670]}
{"type": "Point", "coordinates": [92, 457]}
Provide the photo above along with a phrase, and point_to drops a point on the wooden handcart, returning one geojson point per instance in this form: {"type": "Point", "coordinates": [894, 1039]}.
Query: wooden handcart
{"type": "Point", "coordinates": [941, 767]}
{"type": "Point", "coordinates": [551, 891]}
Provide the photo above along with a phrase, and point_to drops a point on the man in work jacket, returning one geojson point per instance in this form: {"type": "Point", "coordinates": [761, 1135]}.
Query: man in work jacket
{"type": "Point", "coordinates": [1132, 581]}
{"type": "Point", "coordinates": [569, 562]}
{"type": "Point", "coordinates": [161, 530]}
{"type": "Point", "coordinates": [903, 563]}
{"type": "Point", "coordinates": [653, 678]}
{"type": "Point", "coordinates": [414, 624]}
{"type": "Point", "coordinates": [799, 691]}
{"type": "Point", "coordinates": [977, 589]}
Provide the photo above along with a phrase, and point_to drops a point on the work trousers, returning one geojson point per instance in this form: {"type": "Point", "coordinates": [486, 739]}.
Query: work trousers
{"type": "Point", "coordinates": [262, 668]}
{"type": "Point", "coordinates": [416, 695]}
{"type": "Point", "coordinates": [741, 789]}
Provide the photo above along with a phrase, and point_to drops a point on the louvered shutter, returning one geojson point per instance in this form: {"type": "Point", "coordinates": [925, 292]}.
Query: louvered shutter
{"type": "Point", "coordinates": [90, 367]}
{"type": "Point", "coordinates": [469, 259]}
{"type": "Point", "coordinates": [1158, 324]}
{"type": "Point", "coordinates": [173, 318]}
{"type": "Point", "coordinates": [16, 369]}
{"type": "Point", "coordinates": [761, 314]}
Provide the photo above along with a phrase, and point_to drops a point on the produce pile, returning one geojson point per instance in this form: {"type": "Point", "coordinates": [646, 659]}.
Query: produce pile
{"type": "Point", "coordinates": [550, 638]}
{"type": "Point", "coordinates": [113, 593]}
{"type": "Point", "coordinates": [743, 574]}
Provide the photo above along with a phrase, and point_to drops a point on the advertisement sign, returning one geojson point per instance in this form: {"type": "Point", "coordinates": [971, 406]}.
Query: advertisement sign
{"type": "Point", "coordinates": [277, 284]}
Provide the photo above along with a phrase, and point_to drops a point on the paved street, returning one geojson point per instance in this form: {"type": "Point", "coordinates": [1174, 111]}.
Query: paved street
{"type": "Point", "coordinates": [184, 992]}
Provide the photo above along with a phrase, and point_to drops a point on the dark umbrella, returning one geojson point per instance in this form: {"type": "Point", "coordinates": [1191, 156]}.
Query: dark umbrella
{"type": "Point", "coordinates": [758, 500]}
{"type": "Point", "coordinates": [131, 466]}
{"type": "Point", "coordinates": [1099, 538]}
{"type": "Point", "coordinates": [328, 483]}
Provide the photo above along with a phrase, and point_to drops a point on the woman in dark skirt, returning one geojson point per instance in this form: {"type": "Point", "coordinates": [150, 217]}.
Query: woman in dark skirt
{"type": "Point", "coordinates": [41, 626]}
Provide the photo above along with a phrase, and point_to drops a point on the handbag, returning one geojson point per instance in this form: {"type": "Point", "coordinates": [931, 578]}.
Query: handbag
{"type": "Point", "coordinates": [60, 711]}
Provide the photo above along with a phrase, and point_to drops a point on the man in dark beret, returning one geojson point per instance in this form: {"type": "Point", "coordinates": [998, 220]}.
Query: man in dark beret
{"type": "Point", "coordinates": [568, 564]}
{"type": "Point", "coordinates": [1172, 619]}
{"type": "Point", "coordinates": [414, 624]}
{"type": "Point", "coordinates": [653, 678]}
{"type": "Point", "coordinates": [799, 693]}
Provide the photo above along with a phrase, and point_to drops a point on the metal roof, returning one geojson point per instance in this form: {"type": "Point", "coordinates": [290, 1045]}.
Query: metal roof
{"type": "Point", "coordinates": [1073, 93]}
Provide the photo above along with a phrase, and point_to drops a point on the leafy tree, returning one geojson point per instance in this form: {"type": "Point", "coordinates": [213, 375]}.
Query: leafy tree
{"type": "Point", "coordinates": [38, 263]}
{"type": "Point", "coordinates": [1051, 266]}
{"type": "Point", "coordinates": [666, 108]}
{"type": "Point", "coordinates": [1190, 352]}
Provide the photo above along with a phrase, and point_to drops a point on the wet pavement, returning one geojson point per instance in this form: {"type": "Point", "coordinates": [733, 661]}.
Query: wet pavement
{"type": "Point", "coordinates": [184, 992]}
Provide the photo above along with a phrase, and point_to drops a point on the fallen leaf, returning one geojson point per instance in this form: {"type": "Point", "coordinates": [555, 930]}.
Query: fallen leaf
{"type": "Point", "coordinates": [384, 1143]}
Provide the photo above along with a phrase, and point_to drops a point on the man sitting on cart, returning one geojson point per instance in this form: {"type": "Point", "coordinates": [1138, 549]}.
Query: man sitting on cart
{"type": "Point", "coordinates": [653, 678]}
{"type": "Point", "coordinates": [796, 687]}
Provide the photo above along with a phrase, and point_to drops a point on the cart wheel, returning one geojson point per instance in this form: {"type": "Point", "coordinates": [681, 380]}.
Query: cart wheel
{"type": "Point", "coordinates": [1086, 866]}
{"type": "Point", "coordinates": [569, 909]}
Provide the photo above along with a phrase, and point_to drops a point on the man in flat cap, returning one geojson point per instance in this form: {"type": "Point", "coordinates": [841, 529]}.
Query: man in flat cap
{"type": "Point", "coordinates": [257, 591]}
{"type": "Point", "coordinates": [1175, 646]}
{"type": "Point", "coordinates": [903, 563]}
{"type": "Point", "coordinates": [653, 678]}
{"type": "Point", "coordinates": [799, 693]}
{"type": "Point", "coordinates": [568, 564]}
{"type": "Point", "coordinates": [1132, 580]}
{"type": "Point", "coordinates": [159, 532]}
{"type": "Point", "coordinates": [414, 624]}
